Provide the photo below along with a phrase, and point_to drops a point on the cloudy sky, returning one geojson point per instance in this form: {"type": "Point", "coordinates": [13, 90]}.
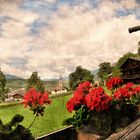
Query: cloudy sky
{"type": "Point", "coordinates": [54, 36]}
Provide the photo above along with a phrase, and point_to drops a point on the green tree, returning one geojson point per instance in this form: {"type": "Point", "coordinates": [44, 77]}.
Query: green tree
{"type": "Point", "coordinates": [80, 75]}
{"type": "Point", "coordinates": [138, 51]}
{"type": "Point", "coordinates": [35, 81]}
{"type": "Point", "coordinates": [3, 89]}
{"type": "Point", "coordinates": [124, 58]}
{"type": "Point", "coordinates": [116, 72]}
{"type": "Point", "coordinates": [104, 69]}
{"type": "Point", "coordinates": [139, 48]}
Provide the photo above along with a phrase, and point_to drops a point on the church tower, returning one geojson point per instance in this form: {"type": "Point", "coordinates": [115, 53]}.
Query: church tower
{"type": "Point", "coordinates": [60, 82]}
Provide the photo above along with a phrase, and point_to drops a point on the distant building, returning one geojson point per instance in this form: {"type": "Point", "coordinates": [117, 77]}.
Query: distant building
{"type": "Point", "coordinates": [131, 70]}
{"type": "Point", "coordinates": [18, 96]}
{"type": "Point", "coordinates": [59, 87]}
{"type": "Point", "coordinates": [15, 95]}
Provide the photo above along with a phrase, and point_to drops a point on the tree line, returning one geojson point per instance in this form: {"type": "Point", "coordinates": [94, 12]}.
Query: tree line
{"type": "Point", "coordinates": [106, 69]}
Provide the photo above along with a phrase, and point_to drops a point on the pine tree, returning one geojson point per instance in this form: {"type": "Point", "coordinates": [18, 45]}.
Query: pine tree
{"type": "Point", "coordinates": [35, 81]}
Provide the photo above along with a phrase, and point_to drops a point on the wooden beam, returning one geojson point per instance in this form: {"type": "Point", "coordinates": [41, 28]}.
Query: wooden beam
{"type": "Point", "coordinates": [131, 132]}
{"type": "Point", "coordinates": [134, 29]}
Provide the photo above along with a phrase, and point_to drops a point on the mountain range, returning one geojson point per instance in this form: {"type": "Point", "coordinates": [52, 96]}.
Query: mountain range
{"type": "Point", "coordinates": [14, 77]}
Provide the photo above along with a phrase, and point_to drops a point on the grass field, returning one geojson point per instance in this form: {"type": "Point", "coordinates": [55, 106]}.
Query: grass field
{"type": "Point", "coordinates": [51, 121]}
{"type": "Point", "coordinates": [14, 84]}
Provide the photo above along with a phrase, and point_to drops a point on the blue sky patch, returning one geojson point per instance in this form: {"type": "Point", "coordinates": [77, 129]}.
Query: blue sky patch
{"type": "Point", "coordinates": [17, 62]}
{"type": "Point", "coordinates": [122, 12]}
{"type": "Point", "coordinates": [3, 19]}
{"type": "Point", "coordinates": [36, 26]}
{"type": "Point", "coordinates": [40, 7]}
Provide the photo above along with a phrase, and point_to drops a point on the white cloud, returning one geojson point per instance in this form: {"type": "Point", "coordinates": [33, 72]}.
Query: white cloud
{"type": "Point", "coordinates": [51, 1]}
{"type": "Point", "coordinates": [88, 37]}
{"type": "Point", "coordinates": [77, 35]}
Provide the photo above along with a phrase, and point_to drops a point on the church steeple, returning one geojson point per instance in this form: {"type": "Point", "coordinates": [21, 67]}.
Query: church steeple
{"type": "Point", "coordinates": [60, 82]}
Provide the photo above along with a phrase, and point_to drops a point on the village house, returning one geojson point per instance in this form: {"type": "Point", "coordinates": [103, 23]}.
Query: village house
{"type": "Point", "coordinates": [15, 95]}
{"type": "Point", "coordinates": [131, 70]}
{"type": "Point", "coordinates": [59, 87]}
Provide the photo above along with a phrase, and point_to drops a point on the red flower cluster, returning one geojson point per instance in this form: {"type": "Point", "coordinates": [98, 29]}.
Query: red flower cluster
{"type": "Point", "coordinates": [85, 86]}
{"type": "Point", "coordinates": [93, 98]}
{"type": "Point", "coordinates": [35, 100]}
{"type": "Point", "coordinates": [126, 92]}
{"type": "Point", "coordinates": [122, 93]}
{"type": "Point", "coordinates": [79, 96]}
{"type": "Point", "coordinates": [97, 99]}
{"type": "Point", "coordinates": [87, 99]}
{"type": "Point", "coordinates": [114, 82]}
{"type": "Point", "coordinates": [137, 90]}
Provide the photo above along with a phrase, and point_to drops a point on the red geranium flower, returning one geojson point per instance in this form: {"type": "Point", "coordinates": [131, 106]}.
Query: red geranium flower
{"type": "Point", "coordinates": [78, 98]}
{"type": "Point", "coordinates": [122, 93]}
{"type": "Point", "coordinates": [129, 85]}
{"type": "Point", "coordinates": [70, 105]}
{"type": "Point", "coordinates": [85, 86]}
{"type": "Point", "coordinates": [136, 90]}
{"type": "Point", "coordinates": [93, 98]}
{"type": "Point", "coordinates": [36, 100]}
{"type": "Point", "coordinates": [97, 99]}
{"type": "Point", "coordinates": [114, 82]}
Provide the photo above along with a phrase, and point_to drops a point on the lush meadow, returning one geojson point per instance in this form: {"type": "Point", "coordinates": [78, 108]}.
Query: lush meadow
{"type": "Point", "coordinates": [51, 121]}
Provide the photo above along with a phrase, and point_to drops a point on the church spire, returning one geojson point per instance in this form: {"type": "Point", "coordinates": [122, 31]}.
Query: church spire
{"type": "Point", "coordinates": [60, 82]}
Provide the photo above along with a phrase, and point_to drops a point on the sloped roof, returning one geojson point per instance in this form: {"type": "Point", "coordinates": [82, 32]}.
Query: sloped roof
{"type": "Point", "coordinates": [135, 58]}
{"type": "Point", "coordinates": [132, 58]}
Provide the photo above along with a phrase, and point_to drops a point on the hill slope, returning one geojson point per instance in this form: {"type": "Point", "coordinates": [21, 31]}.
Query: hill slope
{"type": "Point", "coordinates": [13, 77]}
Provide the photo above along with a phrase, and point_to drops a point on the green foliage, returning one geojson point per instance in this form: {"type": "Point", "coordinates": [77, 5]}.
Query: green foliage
{"type": "Point", "coordinates": [2, 80]}
{"type": "Point", "coordinates": [35, 81]}
{"type": "Point", "coordinates": [3, 89]}
{"type": "Point", "coordinates": [16, 120]}
{"type": "Point", "coordinates": [116, 72]}
{"type": "Point", "coordinates": [135, 99]}
{"type": "Point", "coordinates": [139, 51]}
{"type": "Point", "coordinates": [104, 69]}
{"type": "Point", "coordinates": [14, 131]}
{"type": "Point", "coordinates": [124, 58]}
{"type": "Point", "coordinates": [79, 118]}
{"type": "Point", "coordinates": [105, 76]}
{"type": "Point", "coordinates": [16, 83]}
{"type": "Point", "coordinates": [80, 75]}
{"type": "Point", "coordinates": [31, 82]}
{"type": "Point", "coordinates": [38, 110]}
{"type": "Point", "coordinates": [40, 86]}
